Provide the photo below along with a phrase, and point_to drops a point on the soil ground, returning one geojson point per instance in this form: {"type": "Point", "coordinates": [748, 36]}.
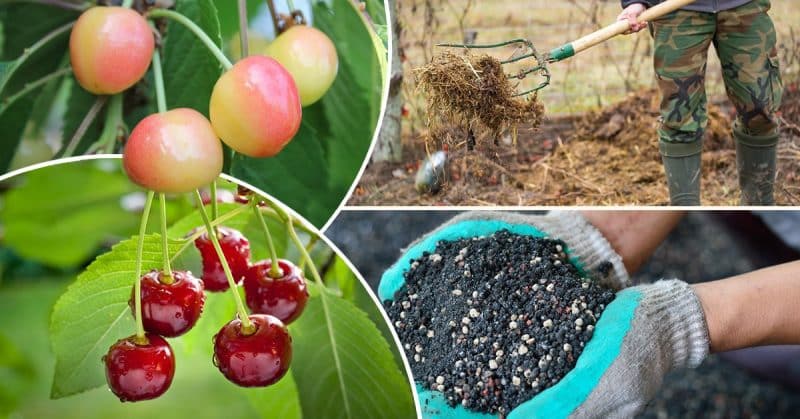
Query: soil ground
{"type": "Point", "coordinates": [606, 157]}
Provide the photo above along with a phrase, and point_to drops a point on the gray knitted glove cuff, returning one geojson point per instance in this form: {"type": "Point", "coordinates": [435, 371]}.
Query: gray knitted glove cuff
{"type": "Point", "coordinates": [583, 240]}
{"type": "Point", "coordinates": [678, 321]}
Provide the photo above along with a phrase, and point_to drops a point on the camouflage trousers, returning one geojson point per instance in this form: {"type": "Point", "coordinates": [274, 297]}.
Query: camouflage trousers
{"type": "Point", "coordinates": [744, 38]}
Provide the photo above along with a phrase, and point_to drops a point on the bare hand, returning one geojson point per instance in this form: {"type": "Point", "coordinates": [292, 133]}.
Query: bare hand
{"type": "Point", "coordinates": [631, 14]}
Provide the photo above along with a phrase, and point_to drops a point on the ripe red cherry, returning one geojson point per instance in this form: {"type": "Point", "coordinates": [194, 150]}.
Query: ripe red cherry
{"type": "Point", "coordinates": [255, 107]}
{"type": "Point", "coordinates": [255, 360]}
{"type": "Point", "coordinates": [173, 152]}
{"type": "Point", "coordinates": [170, 309]}
{"type": "Point", "coordinates": [310, 57]}
{"type": "Point", "coordinates": [139, 371]}
{"type": "Point", "coordinates": [236, 249]}
{"type": "Point", "coordinates": [284, 297]}
{"type": "Point", "coordinates": [110, 49]}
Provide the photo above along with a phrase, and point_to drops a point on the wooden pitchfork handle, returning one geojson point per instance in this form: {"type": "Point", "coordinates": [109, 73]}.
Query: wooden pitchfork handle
{"type": "Point", "coordinates": [614, 29]}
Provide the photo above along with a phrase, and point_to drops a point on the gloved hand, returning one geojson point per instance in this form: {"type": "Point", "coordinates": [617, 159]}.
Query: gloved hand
{"type": "Point", "coordinates": [644, 333]}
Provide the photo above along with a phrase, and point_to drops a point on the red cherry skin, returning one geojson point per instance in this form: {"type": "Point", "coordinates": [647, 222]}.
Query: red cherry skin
{"type": "Point", "coordinates": [256, 360]}
{"type": "Point", "coordinates": [170, 309]}
{"type": "Point", "coordinates": [284, 297]}
{"type": "Point", "coordinates": [236, 249]}
{"type": "Point", "coordinates": [136, 372]}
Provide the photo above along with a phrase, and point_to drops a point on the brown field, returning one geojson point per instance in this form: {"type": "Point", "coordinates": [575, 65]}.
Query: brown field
{"type": "Point", "coordinates": [578, 156]}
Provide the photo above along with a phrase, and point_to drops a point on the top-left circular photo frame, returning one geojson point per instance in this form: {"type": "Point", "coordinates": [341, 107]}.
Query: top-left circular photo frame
{"type": "Point", "coordinates": [284, 95]}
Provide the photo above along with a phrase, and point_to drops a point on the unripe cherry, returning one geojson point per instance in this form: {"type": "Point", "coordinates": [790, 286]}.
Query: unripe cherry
{"type": "Point", "coordinates": [110, 49]}
{"type": "Point", "coordinates": [310, 57]}
{"type": "Point", "coordinates": [173, 152]}
{"type": "Point", "coordinates": [255, 107]}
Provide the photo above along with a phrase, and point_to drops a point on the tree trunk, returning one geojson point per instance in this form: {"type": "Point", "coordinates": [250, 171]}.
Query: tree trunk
{"type": "Point", "coordinates": [389, 146]}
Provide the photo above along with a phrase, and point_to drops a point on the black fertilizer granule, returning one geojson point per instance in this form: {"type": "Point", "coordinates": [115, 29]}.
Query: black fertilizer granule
{"type": "Point", "coordinates": [492, 321]}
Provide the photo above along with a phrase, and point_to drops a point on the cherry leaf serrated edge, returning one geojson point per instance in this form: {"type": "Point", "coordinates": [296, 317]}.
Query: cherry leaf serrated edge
{"type": "Point", "coordinates": [91, 315]}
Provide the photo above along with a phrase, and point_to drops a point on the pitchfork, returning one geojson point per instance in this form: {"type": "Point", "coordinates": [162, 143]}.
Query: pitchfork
{"type": "Point", "coordinates": [568, 50]}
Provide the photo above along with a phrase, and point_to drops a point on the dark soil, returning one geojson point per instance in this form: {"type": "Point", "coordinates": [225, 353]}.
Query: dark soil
{"type": "Point", "coordinates": [492, 321]}
{"type": "Point", "coordinates": [607, 157]}
{"type": "Point", "coordinates": [698, 250]}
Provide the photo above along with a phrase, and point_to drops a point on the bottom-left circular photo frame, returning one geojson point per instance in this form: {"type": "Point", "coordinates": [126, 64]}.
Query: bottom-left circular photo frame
{"type": "Point", "coordinates": [115, 302]}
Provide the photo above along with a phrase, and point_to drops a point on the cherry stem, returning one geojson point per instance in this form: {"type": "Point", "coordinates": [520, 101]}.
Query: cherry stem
{"type": "Point", "coordinates": [29, 87]}
{"type": "Point", "coordinates": [243, 27]}
{"type": "Point", "coordinates": [310, 245]}
{"type": "Point", "coordinates": [137, 288]}
{"type": "Point", "coordinates": [302, 248]}
{"type": "Point", "coordinates": [84, 126]}
{"type": "Point", "coordinates": [63, 4]}
{"type": "Point", "coordinates": [290, 3]}
{"type": "Point", "coordinates": [247, 326]}
{"type": "Point", "coordinates": [214, 206]}
{"type": "Point", "coordinates": [127, 3]}
{"type": "Point", "coordinates": [275, 268]}
{"type": "Point", "coordinates": [167, 277]}
{"type": "Point", "coordinates": [204, 38]}
{"type": "Point", "coordinates": [274, 14]}
{"type": "Point", "coordinates": [158, 74]}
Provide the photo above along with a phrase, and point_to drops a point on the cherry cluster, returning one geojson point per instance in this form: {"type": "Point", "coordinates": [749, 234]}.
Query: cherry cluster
{"type": "Point", "coordinates": [142, 369]}
{"type": "Point", "coordinates": [255, 106]}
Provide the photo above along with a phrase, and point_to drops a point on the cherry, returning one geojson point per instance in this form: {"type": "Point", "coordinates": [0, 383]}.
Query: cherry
{"type": "Point", "coordinates": [170, 309]}
{"type": "Point", "coordinates": [255, 108]}
{"type": "Point", "coordinates": [284, 297]}
{"type": "Point", "coordinates": [173, 152]}
{"type": "Point", "coordinates": [310, 57]}
{"type": "Point", "coordinates": [236, 249]}
{"type": "Point", "coordinates": [110, 49]}
{"type": "Point", "coordinates": [139, 370]}
{"type": "Point", "coordinates": [257, 359]}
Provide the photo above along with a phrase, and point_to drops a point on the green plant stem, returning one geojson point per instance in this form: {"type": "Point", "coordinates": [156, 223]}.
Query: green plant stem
{"type": "Point", "coordinates": [309, 246]}
{"type": "Point", "coordinates": [204, 38]}
{"type": "Point", "coordinates": [290, 3]}
{"type": "Point", "coordinates": [110, 127]}
{"type": "Point", "coordinates": [137, 288]}
{"type": "Point", "coordinates": [380, 50]}
{"type": "Point", "coordinates": [12, 68]}
{"type": "Point", "coordinates": [214, 205]}
{"type": "Point", "coordinates": [167, 277]}
{"type": "Point", "coordinates": [222, 219]}
{"type": "Point", "coordinates": [29, 87]}
{"type": "Point", "coordinates": [243, 27]}
{"type": "Point", "coordinates": [158, 74]}
{"type": "Point", "coordinates": [127, 3]}
{"type": "Point", "coordinates": [275, 269]}
{"type": "Point", "coordinates": [84, 126]}
{"type": "Point", "coordinates": [247, 326]}
{"type": "Point", "coordinates": [302, 248]}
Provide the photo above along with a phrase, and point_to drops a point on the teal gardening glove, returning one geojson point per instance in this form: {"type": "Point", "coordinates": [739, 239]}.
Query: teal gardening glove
{"type": "Point", "coordinates": [644, 333]}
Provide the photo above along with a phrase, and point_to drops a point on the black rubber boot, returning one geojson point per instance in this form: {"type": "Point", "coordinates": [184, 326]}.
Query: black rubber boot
{"type": "Point", "coordinates": [682, 165]}
{"type": "Point", "coordinates": [756, 160]}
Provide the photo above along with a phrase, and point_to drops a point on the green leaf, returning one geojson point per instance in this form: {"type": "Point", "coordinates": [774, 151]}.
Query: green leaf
{"type": "Point", "coordinates": [190, 70]}
{"type": "Point", "coordinates": [16, 375]}
{"type": "Point", "coordinates": [326, 155]}
{"type": "Point", "coordinates": [278, 401]}
{"type": "Point", "coordinates": [13, 120]}
{"type": "Point", "coordinates": [24, 24]}
{"type": "Point", "coordinates": [93, 314]}
{"type": "Point", "coordinates": [74, 207]}
{"type": "Point", "coordinates": [342, 365]}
